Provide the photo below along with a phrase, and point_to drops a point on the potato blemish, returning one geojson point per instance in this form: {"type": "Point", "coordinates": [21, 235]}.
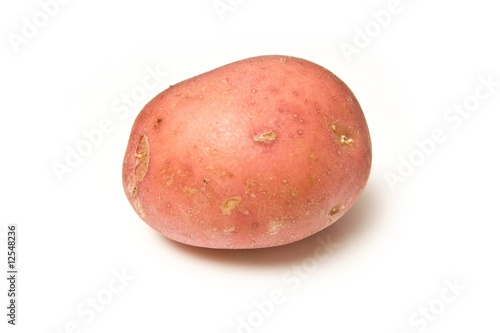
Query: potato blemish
{"type": "Point", "coordinates": [274, 227]}
{"type": "Point", "coordinates": [229, 204]}
{"type": "Point", "coordinates": [265, 137]}
{"type": "Point", "coordinates": [141, 158]}
{"type": "Point", "coordinates": [157, 123]}
{"type": "Point", "coordinates": [345, 140]}
{"type": "Point", "coordinates": [335, 209]}
{"type": "Point", "coordinates": [249, 184]}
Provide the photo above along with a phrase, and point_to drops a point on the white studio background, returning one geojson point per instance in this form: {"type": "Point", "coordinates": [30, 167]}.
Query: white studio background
{"type": "Point", "coordinates": [417, 253]}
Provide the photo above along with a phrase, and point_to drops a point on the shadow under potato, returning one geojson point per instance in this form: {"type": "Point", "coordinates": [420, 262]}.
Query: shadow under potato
{"type": "Point", "coordinates": [355, 221]}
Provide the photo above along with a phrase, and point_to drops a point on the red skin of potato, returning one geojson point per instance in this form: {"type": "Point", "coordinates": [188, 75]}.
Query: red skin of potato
{"type": "Point", "coordinates": [257, 153]}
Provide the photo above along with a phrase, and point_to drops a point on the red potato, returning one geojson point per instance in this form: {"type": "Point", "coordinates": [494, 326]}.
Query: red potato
{"type": "Point", "coordinates": [257, 153]}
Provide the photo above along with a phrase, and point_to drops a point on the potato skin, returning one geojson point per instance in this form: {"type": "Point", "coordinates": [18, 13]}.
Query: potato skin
{"type": "Point", "coordinates": [257, 153]}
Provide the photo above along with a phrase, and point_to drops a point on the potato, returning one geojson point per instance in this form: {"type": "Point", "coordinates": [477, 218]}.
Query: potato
{"type": "Point", "coordinates": [257, 153]}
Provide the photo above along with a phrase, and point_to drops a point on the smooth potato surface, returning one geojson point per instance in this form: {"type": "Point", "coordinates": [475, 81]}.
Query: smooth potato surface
{"type": "Point", "coordinates": [257, 153]}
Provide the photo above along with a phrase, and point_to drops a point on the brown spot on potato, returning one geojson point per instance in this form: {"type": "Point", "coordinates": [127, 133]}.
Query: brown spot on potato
{"type": "Point", "coordinates": [229, 204]}
{"type": "Point", "coordinates": [265, 137]}
{"type": "Point", "coordinates": [249, 184]}
{"type": "Point", "coordinates": [157, 123]}
{"type": "Point", "coordinates": [344, 133]}
{"type": "Point", "coordinates": [274, 227]}
{"type": "Point", "coordinates": [336, 209]}
{"type": "Point", "coordinates": [141, 158]}
{"type": "Point", "coordinates": [345, 140]}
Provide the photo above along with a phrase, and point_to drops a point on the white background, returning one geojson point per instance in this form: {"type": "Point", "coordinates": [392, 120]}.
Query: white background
{"type": "Point", "coordinates": [397, 249]}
